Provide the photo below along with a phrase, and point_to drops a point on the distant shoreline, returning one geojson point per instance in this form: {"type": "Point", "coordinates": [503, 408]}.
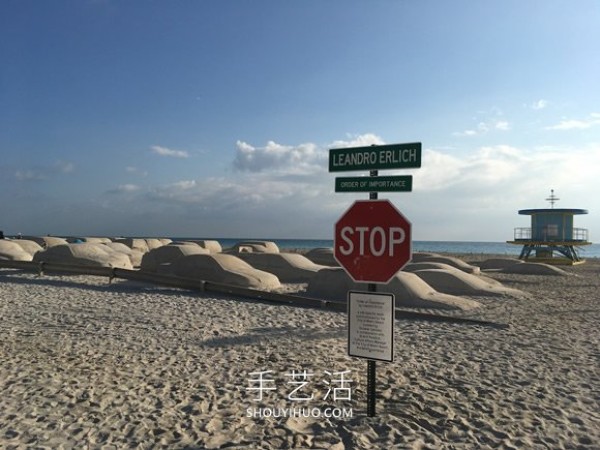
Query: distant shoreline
{"type": "Point", "coordinates": [446, 247]}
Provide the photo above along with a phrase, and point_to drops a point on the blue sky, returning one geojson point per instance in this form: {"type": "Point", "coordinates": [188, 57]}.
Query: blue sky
{"type": "Point", "coordinates": [214, 118]}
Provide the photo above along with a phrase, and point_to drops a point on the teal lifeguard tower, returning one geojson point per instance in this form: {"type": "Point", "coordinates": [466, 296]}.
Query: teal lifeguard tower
{"type": "Point", "coordinates": [551, 239]}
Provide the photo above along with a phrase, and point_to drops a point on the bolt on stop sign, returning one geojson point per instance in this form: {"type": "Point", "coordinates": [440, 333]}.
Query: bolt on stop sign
{"type": "Point", "coordinates": [372, 241]}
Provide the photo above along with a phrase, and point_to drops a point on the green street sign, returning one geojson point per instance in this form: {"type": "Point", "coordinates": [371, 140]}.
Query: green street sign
{"type": "Point", "coordinates": [393, 156]}
{"type": "Point", "coordinates": [394, 183]}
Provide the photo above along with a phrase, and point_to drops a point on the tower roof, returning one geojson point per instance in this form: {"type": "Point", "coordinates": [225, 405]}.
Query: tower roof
{"type": "Point", "coordinates": [531, 212]}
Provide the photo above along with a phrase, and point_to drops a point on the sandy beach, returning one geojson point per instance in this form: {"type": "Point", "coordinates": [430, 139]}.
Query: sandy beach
{"type": "Point", "coordinates": [88, 364]}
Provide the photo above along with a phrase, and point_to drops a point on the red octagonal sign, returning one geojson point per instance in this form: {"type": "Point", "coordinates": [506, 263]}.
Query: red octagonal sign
{"type": "Point", "coordinates": [372, 241]}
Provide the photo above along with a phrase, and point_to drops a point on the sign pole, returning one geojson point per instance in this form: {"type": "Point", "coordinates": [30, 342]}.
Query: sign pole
{"type": "Point", "coordinates": [372, 243]}
{"type": "Point", "coordinates": [371, 364]}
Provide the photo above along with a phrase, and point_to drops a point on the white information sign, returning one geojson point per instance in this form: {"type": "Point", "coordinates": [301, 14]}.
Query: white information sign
{"type": "Point", "coordinates": [371, 325]}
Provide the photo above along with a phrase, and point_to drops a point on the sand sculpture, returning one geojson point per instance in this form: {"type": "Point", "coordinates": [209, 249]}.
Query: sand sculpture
{"type": "Point", "coordinates": [153, 243]}
{"type": "Point", "coordinates": [498, 263]}
{"type": "Point", "coordinates": [211, 245]}
{"type": "Point", "coordinates": [413, 267]}
{"type": "Point", "coordinates": [89, 240]}
{"type": "Point", "coordinates": [46, 241]}
{"type": "Point", "coordinates": [535, 269]}
{"type": "Point", "coordinates": [450, 260]}
{"type": "Point", "coordinates": [323, 256]}
{"type": "Point", "coordinates": [11, 251]}
{"type": "Point", "coordinates": [456, 282]}
{"type": "Point", "coordinates": [224, 269]}
{"type": "Point", "coordinates": [409, 290]}
{"type": "Point", "coordinates": [134, 255]}
{"type": "Point", "coordinates": [136, 244]}
{"type": "Point", "coordinates": [254, 247]}
{"type": "Point", "coordinates": [84, 254]}
{"type": "Point", "coordinates": [429, 281]}
{"type": "Point", "coordinates": [166, 254]}
{"type": "Point", "coordinates": [288, 267]}
{"type": "Point", "coordinates": [30, 247]}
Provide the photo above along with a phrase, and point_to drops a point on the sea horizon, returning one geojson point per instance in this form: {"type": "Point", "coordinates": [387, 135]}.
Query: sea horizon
{"type": "Point", "coordinates": [462, 247]}
{"type": "Point", "coordinates": [456, 247]}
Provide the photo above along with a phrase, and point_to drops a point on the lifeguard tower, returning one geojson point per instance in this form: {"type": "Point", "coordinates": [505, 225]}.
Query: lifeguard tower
{"type": "Point", "coordinates": [551, 238]}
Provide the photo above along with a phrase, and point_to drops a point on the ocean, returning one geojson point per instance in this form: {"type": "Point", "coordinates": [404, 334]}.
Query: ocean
{"type": "Point", "coordinates": [467, 247]}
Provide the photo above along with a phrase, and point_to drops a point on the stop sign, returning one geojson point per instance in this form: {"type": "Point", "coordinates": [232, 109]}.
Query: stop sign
{"type": "Point", "coordinates": [372, 241]}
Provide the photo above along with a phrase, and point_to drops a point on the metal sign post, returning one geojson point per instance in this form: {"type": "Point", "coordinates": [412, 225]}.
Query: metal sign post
{"type": "Point", "coordinates": [371, 364]}
{"type": "Point", "coordinates": [388, 235]}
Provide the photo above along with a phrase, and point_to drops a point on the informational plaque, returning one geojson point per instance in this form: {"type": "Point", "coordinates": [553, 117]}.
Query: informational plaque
{"type": "Point", "coordinates": [371, 325]}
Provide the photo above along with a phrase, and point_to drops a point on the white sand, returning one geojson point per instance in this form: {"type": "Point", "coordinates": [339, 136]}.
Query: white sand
{"type": "Point", "coordinates": [85, 364]}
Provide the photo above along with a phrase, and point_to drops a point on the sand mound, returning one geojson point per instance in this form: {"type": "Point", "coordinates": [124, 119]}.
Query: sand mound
{"type": "Point", "coordinates": [136, 244]}
{"type": "Point", "coordinates": [84, 254]}
{"type": "Point", "coordinates": [224, 269]}
{"type": "Point", "coordinates": [46, 241]}
{"type": "Point", "coordinates": [450, 260]}
{"type": "Point", "coordinates": [420, 256]}
{"type": "Point", "coordinates": [498, 263]}
{"type": "Point", "coordinates": [119, 247]}
{"type": "Point", "coordinates": [167, 254]}
{"type": "Point", "coordinates": [135, 256]}
{"type": "Point", "coordinates": [211, 246]}
{"type": "Point", "coordinates": [288, 267]}
{"type": "Point", "coordinates": [413, 267]}
{"type": "Point", "coordinates": [409, 290]}
{"type": "Point", "coordinates": [535, 269]}
{"type": "Point", "coordinates": [88, 240]}
{"type": "Point", "coordinates": [254, 247]}
{"type": "Point", "coordinates": [322, 256]}
{"type": "Point", "coordinates": [30, 247]}
{"type": "Point", "coordinates": [13, 252]}
{"type": "Point", "coordinates": [153, 243]}
{"type": "Point", "coordinates": [457, 282]}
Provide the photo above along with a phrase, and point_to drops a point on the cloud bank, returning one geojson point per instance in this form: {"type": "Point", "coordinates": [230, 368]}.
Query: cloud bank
{"type": "Point", "coordinates": [574, 124]}
{"type": "Point", "coordinates": [285, 190]}
{"type": "Point", "coordinates": [40, 173]}
{"type": "Point", "coordinates": [281, 190]}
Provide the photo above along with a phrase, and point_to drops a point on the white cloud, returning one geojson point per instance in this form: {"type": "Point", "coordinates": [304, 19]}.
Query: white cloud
{"type": "Point", "coordinates": [135, 170]}
{"type": "Point", "coordinates": [184, 185]}
{"type": "Point", "coordinates": [303, 159]}
{"type": "Point", "coordinates": [285, 190]}
{"type": "Point", "coordinates": [438, 170]}
{"type": "Point", "coordinates": [39, 173]}
{"type": "Point", "coordinates": [502, 125]}
{"type": "Point", "coordinates": [29, 175]}
{"type": "Point", "coordinates": [129, 187]}
{"type": "Point", "coordinates": [591, 121]}
{"type": "Point", "coordinates": [540, 104]}
{"type": "Point", "coordinates": [164, 151]}
{"type": "Point", "coordinates": [484, 128]}
{"type": "Point", "coordinates": [362, 140]}
{"type": "Point", "coordinates": [245, 192]}
{"type": "Point", "coordinates": [64, 166]}
{"type": "Point", "coordinates": [499, 173]}
{"type": "Point", "coordinates": [300, 159]}
{"type": "Point", "coordinates": [465, 133]}
{"type": "Point", "coordinates": [485, 167]}
{"type": "Point", "coordinates": [125, 189]}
